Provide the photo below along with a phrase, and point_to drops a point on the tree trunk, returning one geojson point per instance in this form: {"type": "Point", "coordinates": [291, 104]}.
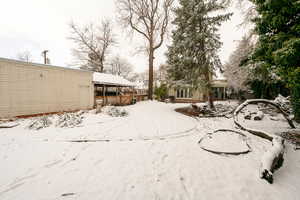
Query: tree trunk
{"type": "Point", "coordinates": [150, 83]}
{"type": "Point", "coordinates": [210, 99]}
{"type": "Point", "coordinates": [209, 91]}
{"type": "Point", "coordinates": [296, 103]}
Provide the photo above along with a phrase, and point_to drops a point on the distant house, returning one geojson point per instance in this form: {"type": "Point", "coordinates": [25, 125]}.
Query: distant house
{"type": "Point", "coordinates": [140, 88]}
{"type": "Point", "coordinates": [183, 93]}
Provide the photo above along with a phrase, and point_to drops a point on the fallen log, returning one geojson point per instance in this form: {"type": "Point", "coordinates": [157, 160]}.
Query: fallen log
{"type": "Point", "coordinates": [272, 159]}
{"type": "Point", "coordinates": [259, 133]}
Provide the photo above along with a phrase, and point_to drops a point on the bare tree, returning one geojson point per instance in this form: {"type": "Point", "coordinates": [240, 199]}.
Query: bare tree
{"type": "Point", "coordinates": [120, 66]}
{"type": "Point", "coordinates": [237, 75]}
{"type": "Point", "coordinates": [25, 56]}
{"type": "Point", "coordinates": [92, 43]}
{"type": "Point", "coordinates": [150, 19]}
{"type": "Point", "coordinates": [162, 74]}
{"type": "Point", "coordinates": [248, 9]}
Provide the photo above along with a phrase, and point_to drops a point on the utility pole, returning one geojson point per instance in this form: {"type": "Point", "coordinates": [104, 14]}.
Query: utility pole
{"type": "Point", "coordinates": [44, 54]}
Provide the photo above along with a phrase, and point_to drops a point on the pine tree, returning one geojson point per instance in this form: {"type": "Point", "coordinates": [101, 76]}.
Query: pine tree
{"type": "Point", "coordinates": [192, 57]}
{"type": "Point", "coordinates": [278, 49]}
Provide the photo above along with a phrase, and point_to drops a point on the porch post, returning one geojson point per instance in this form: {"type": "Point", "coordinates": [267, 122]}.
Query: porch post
{"type": "Point", "coordinates": [119, 95]}
{"type": "Point", "coordinates": [104, 95]}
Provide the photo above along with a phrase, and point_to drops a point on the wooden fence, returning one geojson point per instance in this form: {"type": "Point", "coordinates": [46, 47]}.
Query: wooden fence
{"type": "Point", "coordinates": [116, 100]}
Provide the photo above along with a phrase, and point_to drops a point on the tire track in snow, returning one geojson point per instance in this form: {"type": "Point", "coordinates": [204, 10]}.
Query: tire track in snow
{"type": "Point", "coordinates": [11, 188]}
{"type": "Point", "coordinates": [18, 182]}
{"type": "Point", "coordinates": [52, 163]}
{"type": "Point", "coordinates": [187, 133]}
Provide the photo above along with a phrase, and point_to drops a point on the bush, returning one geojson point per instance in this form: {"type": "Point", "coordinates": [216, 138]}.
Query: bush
{"type": "Point", "coordinates": [161, 92]}
{"type": "Point", "coordinates": [40, 123]}
{"type": "Point", "coordinates": [69, 120]}
{"type": "Point", "coordinates": [115, 111]}
{"type": "Point", "coordinates": [268, 90]}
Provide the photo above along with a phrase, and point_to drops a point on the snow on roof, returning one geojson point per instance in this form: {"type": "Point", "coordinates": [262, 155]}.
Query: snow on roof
{"type": "Point", "coordinates": [140, 85]}
{"type": "Point", "coordinates": [24, 63]}
{"type": "Point", "coordinates": [110, 79]}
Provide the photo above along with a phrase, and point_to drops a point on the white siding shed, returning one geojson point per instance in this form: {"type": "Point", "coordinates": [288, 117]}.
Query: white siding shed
{"type": "Point", "coordinates": [29, 89]}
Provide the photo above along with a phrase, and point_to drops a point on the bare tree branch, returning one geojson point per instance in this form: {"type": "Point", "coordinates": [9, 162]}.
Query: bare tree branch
{"type": "Point", "coordinates": [92, 43]}
{"type": "Point", "coordinates": [120, 66]}
{"type": "Point", "coordinates": [24, 56]}
{"type": "Point", "coordinates": [149, 18]}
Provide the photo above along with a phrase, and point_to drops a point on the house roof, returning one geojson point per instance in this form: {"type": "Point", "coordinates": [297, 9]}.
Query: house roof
{"type": "Point", "coordinates": [214, 82]}
{"type": "Point", "coordinates": [140, 85]}
{"type": "Point", "coordinates": [109, 79]}
{"type": "Point", "coordinates": [219, 83]}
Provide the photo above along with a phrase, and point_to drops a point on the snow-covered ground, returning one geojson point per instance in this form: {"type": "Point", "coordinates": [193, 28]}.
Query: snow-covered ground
{"type": "Point", "coordinates": [153, 153]}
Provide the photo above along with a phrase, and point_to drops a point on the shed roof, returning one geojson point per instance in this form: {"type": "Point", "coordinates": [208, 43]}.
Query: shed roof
{"type": "Point", "coordinates": [109, 79]}
{"type": "Point", "coordinates": [46, 66]}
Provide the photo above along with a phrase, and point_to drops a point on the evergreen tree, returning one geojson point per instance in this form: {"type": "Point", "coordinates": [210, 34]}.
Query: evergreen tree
{"type": "Point", "coordinates": [278, 49]}
{"type": "Point", "coordinates": [192, 57]}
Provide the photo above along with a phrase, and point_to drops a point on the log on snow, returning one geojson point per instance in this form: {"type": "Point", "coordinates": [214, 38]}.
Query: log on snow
{"type": "Point", "coordinates": [259, 133]}
{"type": "Point", "coordinates": [272, 159]}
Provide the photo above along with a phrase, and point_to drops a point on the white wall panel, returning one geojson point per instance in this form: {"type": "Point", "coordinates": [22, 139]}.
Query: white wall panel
{"type": "Point", "coordinates": [27, 89]}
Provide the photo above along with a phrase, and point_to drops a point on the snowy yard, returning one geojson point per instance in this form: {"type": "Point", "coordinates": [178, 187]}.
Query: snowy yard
{"type": "Point", "coordinates": [153, 153]}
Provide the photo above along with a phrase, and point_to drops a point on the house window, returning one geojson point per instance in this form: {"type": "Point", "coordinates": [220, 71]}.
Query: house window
{"type": "Point", "coordinates": [183, 93]}
{"type": "Point", "coordinates": [219, 92]}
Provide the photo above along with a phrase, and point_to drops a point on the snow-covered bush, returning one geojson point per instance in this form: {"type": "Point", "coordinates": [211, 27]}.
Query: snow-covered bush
{"type": "Point", "coordinates": [223, 108]}
{"type": "Point", "coordinates": [115, 111]}
{"type": "Point", "coordinates": [39, 123]}
{"type": "Point", "coordinates": [69, 120]}
{"type": "Point", "coordinates": [284, 103]}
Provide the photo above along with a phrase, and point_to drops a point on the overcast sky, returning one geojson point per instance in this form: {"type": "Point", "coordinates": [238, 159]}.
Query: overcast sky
{"type": "Point", "coordinates": [36, 25]}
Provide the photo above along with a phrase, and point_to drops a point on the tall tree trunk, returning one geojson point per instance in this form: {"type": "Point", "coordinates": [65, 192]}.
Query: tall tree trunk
{"type": "Point", "coordinates": [150, 83]}
{"type": "Point", "coordinates": [296, 103]}
{"type": "Point", "coordinates": [209, 90]}
{"type": "Point", "coordinates": [210, 99]}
